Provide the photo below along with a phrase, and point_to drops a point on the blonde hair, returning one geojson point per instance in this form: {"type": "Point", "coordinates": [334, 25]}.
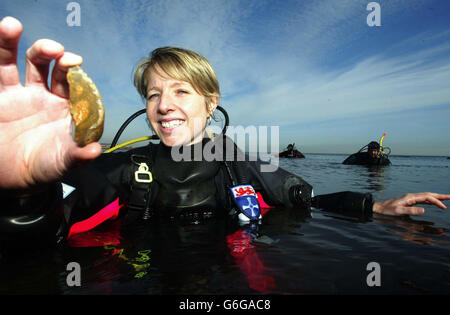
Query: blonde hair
{"type": "Point", "coordinates": [180, 64]}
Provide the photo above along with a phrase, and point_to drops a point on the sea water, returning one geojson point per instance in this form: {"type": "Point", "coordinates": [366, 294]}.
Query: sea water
{"type": "Point", "coordinates": [286, 254]}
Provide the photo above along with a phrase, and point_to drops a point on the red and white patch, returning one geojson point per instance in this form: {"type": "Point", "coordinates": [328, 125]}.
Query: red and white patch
{"type": "Point", "coordinates": [243, 190]}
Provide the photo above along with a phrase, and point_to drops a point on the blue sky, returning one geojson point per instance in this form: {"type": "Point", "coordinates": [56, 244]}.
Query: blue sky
{"type": "Point", "coordinates": [314, 68]}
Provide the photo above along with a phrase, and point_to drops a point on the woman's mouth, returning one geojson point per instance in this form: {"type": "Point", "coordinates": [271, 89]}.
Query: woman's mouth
{"type": "Point", "coordinates": [171, 124]}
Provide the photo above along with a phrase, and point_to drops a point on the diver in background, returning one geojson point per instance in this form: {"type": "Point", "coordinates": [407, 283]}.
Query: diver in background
{"type": "Point", "coordinates": [290, 147]}
{"type": "Point", "coordinates": [372, 156]}
{"type": "Point", "coordinates": [37, 151]}
{"type": "Point", "coordinates": [289, 152]}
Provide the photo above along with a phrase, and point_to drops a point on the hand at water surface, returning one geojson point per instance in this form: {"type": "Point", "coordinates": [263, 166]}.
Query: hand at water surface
{"type": "Point", "coordinates": [404, 205]}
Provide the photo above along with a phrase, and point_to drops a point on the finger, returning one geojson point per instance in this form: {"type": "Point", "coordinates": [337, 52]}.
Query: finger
{"type": "Point", "coordinates": [436, 195]}
{"type": "Point", "coordinates": [38, 58]}
{"type": "Point", "coordinates": [429, 199]}
{"type": "Point", "coordinates": [60, 86]}
{"type": "Point", "coordinates": [441, 196]}
{"type": "Point", "coordinates": [10, 31]}
{"type": "Point", "coordinates": [410, 210]}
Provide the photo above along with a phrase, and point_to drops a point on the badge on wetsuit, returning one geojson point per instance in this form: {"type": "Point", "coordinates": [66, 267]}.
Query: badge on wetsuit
{"type": "Point", "coordinates": [67, 190]}
{"type": "Point", "coordinates": [245, 198]}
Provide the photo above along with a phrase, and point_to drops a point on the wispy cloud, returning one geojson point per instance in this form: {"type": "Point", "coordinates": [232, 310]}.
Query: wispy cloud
{"type": "Point", "coordinates": [377, 83]}
{"type": "Point", "coordinates": [279, 62]}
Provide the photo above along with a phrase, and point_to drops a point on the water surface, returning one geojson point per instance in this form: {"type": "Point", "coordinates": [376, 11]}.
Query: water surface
{"type": "Point", "coordinates": [325, 254]}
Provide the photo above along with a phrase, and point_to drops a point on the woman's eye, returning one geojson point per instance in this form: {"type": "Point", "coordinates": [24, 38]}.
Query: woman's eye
{"type": "Point", "coordinates": [151, 96]}
{"type": "Point", "coordinates": [182, 92]}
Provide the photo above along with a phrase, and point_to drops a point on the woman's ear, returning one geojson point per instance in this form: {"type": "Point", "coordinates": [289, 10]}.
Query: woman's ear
{"type": "Point", "coordinates": [212, 105]}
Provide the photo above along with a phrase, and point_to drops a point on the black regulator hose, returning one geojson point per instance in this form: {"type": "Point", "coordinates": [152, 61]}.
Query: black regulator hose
{"type": "Point", "coordinates": [142, 111]}
{"type": "Point", "coordinates": [125, 124]}
{"type": "Point", "coordinates": [227, 119]}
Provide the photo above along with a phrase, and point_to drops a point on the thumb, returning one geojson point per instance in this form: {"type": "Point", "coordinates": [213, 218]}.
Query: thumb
{"type": "Point", "coordinates": [89, 152]}
{"type": "Point", "coordinates": [81, 155]}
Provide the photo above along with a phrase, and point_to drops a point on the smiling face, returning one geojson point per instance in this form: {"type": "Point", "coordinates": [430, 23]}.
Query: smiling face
{"type": "Point", "coordinates": [181, 91]}
{"type": "Point", "coordinates": [176, 111]}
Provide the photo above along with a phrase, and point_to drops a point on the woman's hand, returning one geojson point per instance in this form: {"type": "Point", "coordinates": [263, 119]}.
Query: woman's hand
{"type": "Point", "coordinates": [36, 144]}
{"type": "Point", "coordinates": [404, 204]}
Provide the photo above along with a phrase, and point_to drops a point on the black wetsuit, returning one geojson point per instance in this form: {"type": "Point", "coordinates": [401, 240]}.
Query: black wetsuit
{"type": "Point", "coordinates": [177, 189]}
{"type": "Point", "coordinates": [364, 158]}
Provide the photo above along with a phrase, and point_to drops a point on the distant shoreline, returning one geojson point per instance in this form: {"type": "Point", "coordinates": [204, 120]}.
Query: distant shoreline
{"type": "Point", "coordinates": [106, 146]}
{"type": "Point", "coordinates": [397, 155]}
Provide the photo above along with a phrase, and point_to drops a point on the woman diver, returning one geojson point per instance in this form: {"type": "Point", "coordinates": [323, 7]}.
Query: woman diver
{"type": "Point", "coordinates": [181, 91]}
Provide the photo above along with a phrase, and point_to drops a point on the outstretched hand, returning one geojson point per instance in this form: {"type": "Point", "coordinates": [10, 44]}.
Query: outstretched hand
{"type": "Point", "coordinates": [36, 144]}
{"type": "Point", "coordinates": [405, 205]}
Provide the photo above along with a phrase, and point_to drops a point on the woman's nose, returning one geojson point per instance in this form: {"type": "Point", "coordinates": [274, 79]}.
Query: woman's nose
{"type": "Point", "coordinates": [165, 103]}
